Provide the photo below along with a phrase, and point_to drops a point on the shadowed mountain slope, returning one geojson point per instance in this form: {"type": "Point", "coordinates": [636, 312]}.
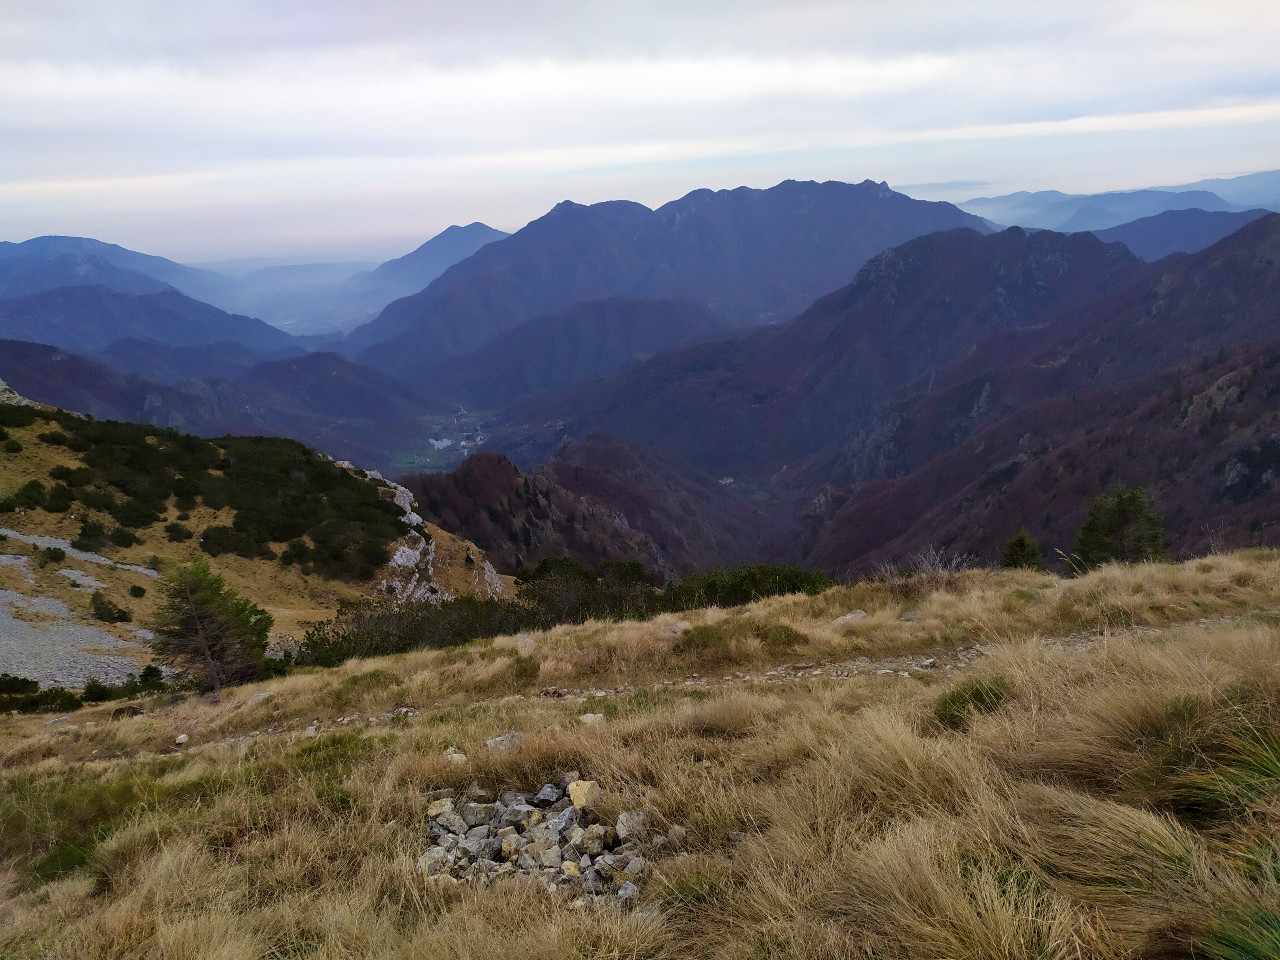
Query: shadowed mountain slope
{"type": "Point", "coordinates": [408, 274]}
{"type": "Point", "coordinates": [194, 282]}
{"type": "Point", "coordinates": [1204, 442]}
{"type": "Point", "coordinates": [586, 342]}
{"type": "Point", "coordinates": [1177, 231]}
{"type": "Point", "coordinates": [323, 400]}
{"type": "Point", "coordinates": [91, 318]}
{"type": "Point", "coordinates": [166, 363]}
{"type": "Point", "coordinates": [598, 499]}
{"type": "Point", "coordinates": [21, 276]}
{"type": "Point", "coordinates": [753, 256]}
{"type": "Point", "coordinates": [755, 405]}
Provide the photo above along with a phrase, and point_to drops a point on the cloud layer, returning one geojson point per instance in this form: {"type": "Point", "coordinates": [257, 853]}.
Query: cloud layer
{"type": "Point", "coordinates": [326, 128]}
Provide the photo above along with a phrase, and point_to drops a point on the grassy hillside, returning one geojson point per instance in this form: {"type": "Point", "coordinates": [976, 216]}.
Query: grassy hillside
{"type": "Point", "coordinates": [283, 525]}
{"type": "Point", "coordinates": [977, 764]}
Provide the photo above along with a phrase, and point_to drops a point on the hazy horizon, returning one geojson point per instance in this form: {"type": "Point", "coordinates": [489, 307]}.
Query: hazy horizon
{"type": "Point", "coordinates": [335, 130]}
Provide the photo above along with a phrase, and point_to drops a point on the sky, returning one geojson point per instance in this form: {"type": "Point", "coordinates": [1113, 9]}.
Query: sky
{"type": "Point", "coordinates": [356, 129]}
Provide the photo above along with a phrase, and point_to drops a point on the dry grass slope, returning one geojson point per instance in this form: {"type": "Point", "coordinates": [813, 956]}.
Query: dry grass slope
{"type": "Point", "coordinates": [1119, 797]}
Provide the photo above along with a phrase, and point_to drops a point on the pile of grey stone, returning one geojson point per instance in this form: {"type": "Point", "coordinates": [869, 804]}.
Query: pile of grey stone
{"type": "Point", "coordinates": [554, 837]}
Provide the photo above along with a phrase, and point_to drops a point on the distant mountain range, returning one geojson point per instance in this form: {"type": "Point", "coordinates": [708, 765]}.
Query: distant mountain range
{"type": "Point", "coordinates": [1177, 231]}
{"type": "Point", "coordinates": [751, 256]}
{"type": "Point", "coordinates": [1066, 213]}
{"type": "Point", "coordinates": [301, 298]}
{"type": "Point", "coordinates": [769, 401]}
{"type": "Point", "coordinates": [702, 383]}
{"type": "Point", "coordinates": [937, 344]}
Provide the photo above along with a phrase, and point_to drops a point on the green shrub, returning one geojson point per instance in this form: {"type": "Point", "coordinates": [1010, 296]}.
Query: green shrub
{"type": "Point", "coordinates": [1120, 527]}
{"type": "Point", "coordinates": [19, 415]}
{"type": "Point", "coordinates": [93, 535]}
{"type": "Point", "coordinates": [706, 644]}
{"type": "Point", "coordinates": [123, 537]}
{"type": "Point", "coordinates": [12, 446]}
{"type": "Point", "coordinates": [95, 691]}
{"type": "Point", "coordinates": [150, 680]}
{"type": "Point", "coordinates": [50, 555]}
{"type": "Point", "coordinates": [1022, 551]}
{"type": "Point", "coordinates": [9, 684]}
{"type": "Point", "coordinates": [778, 636]}
{"type": "Point", "coordinates": [107, 611]}
{"type": "Point", "coordinates": [30, 496]}
{"type": "Point", "coordinates": [177, 533]}
{"type": "Point", "coordinates": [137, 591]}
{"type": "Point", "coordinates": [977, 695]}
{"type": "Point", "coordinates": [52, 700]}
{"type": "Point", "coordinates": [54, 437]}
{"type": "Point", "coordinates": [745, 584]}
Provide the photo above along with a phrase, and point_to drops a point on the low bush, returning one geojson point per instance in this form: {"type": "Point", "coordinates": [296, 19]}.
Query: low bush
{"type": "Point", "coordinates": [107, 611]}
{"type": "Point", "coordinates": [978, 695]}
{"type": "Point", "coordinates": [177, 533]}
{"type": "Point", "coordinates": [150, 680]}
{"type": "Point", "coordinates": [9, 684]}
{"type": "Point", "coordinates": [50, 555]}
{"type": "Point", "coordinates": [52, 700]}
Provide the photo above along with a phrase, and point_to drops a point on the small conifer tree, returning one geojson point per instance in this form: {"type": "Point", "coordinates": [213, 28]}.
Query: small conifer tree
{"type": "Point", "coordinates": [206, 630]}
{"type": "Point", "coordinates": [1120, 527]}
{"type": "Point", "coordinates": [1021, 550]}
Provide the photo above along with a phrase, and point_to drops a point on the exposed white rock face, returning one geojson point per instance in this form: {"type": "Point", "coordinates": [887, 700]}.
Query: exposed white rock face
{"type": "Point", "coordinates": [9, 395]}
{"type": "Point", "coordinates": [410, 575]}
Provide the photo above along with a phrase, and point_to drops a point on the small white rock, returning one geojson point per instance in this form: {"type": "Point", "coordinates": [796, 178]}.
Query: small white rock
{"type": "Point", "coordinates": [850, 617]}
{"type": "Point", "coordinates": [181, 738]}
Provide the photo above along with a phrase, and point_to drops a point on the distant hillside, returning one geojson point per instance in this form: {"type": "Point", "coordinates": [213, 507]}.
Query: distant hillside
{"type": "Point", "coordinates": [750, 407]}
{"type": "Point", "coordinates": [289, 528]}
{"type": "Point", "coordinates": [330, 298]}
{"type": "Point", "coordinates": [1177, 231]}
{"type": "Point", "coordinates": [1251, 190]}
{"type": "Point", "coordinates": [349, 411]}
{"type": "Point", "coordinates": [414, 271]}
{"type": "Point", "coordinates": [952, 358]}
{"type": "Point", "coordinates": [61, 379]}
{"type": "Point", "coordinates": [752, 256]}
{"type": "Point", "coordinates": [91, 318]}
{"type": "Point", "coordinates": [586, 342]}
{"type": "Point", "coordinates": [1067, 213]}
{"type": "Point", "coordinates": [204, 285]}
{"type": "Point", "coordinates": [170, 364]}
{"type": "Point", "coordinates": [304, 299]}
{"type": "Point", "coordinates": [694, 521]}
{"type": "Point", "coordinates": [22, 276]}
{"type": "Point", "coordinates": [1204, 442]}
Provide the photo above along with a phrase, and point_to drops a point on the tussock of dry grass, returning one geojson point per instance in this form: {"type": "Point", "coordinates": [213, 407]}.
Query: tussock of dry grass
{"type": "Point", "coordinates": [1121, 801]}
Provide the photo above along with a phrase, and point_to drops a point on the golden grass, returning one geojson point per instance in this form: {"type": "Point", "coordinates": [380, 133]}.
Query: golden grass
{"type": "Point", "coordinates": [1121, 801]}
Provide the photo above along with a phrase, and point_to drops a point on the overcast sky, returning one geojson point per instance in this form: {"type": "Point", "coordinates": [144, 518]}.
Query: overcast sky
{"type": "Point", "coordinates": [322, 129]}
